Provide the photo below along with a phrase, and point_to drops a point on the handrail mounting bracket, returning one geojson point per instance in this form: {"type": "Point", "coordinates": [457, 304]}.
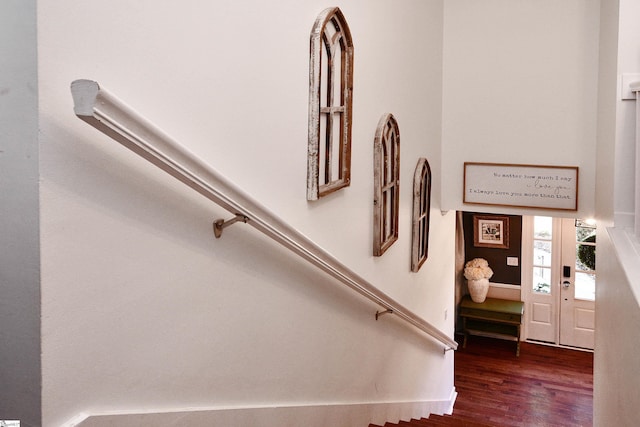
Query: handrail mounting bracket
{"type": "Point", "coordinates": [221, 224]}
{"type": "Point", "coordinates": [382, 313]}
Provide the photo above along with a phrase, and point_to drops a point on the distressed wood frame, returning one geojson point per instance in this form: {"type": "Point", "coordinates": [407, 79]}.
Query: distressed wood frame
{"type": "Point", "coordinates": [386, 171]}
{"type": "Point", "coordinates": [329, 118]}
{"type": "Point", "coordinates": [482, 231]}
{"type": "Point", "coordinates": [421, 214]}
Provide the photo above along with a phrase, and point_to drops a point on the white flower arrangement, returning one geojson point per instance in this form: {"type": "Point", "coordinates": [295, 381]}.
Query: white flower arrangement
{"type": "Point", "coordinates": [477, 268]}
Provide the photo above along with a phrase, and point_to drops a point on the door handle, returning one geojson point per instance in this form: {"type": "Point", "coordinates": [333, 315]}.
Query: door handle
{"type": "Point", "coordinates": [566, 284]}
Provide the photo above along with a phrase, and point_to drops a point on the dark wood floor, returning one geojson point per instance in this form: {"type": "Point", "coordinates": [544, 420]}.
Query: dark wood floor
{"type": "Point", "coordinates": [545, 386]}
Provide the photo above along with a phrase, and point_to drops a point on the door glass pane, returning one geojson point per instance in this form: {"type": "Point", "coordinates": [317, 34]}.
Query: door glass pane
{"type": "Point", "coordinates": [585, 260]}
{"type": "Point", "coordinates": [542, 227]}
{"type": "Point", "coordinates": [586, 254]}
{"type": "Point", "coordinates": [585, 257]}
{"type": "Point", "coordinates": [542, 280]}
{"type": "Point", "coordinates": [542, 253]}
{"type": "Point", "coordinates": [542, 233]}
{"type": "Point", "coordinates": [585, 286]}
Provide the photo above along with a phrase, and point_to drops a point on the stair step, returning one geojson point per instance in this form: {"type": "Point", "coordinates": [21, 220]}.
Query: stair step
{"type": "Point", "coordinates": [435, 420]}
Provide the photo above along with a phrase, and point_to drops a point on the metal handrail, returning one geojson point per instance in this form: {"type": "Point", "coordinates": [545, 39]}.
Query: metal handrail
{"type": "Point", "coordinates": [105, 112]}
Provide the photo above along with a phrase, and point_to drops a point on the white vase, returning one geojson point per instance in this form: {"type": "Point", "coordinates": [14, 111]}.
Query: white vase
{"type": "Point", "coordinates": [478, 289]}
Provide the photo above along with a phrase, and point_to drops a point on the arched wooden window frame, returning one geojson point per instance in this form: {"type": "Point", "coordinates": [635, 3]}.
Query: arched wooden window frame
{"type": "Point", "coordinates": [386, 171]}
{"type": "Point", "coordinates": [330, 107]}
{"type": "Point", "coordinates": [421, 210]}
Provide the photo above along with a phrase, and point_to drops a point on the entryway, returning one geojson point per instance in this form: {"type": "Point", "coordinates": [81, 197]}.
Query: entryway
{"type": "Point", "coordinates": [558, 280]}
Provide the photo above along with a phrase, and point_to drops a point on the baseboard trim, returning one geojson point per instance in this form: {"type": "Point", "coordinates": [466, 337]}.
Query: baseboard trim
{"type": "Point", "coordinates": [550, 344]}
{"type": "Point", "coordinates": [321, 415]}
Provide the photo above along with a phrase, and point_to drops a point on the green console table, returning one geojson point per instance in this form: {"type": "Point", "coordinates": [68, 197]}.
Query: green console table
{"type": "Point", "coordinates": [494, 318]}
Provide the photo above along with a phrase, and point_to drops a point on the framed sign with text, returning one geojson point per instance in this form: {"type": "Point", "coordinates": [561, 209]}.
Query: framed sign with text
{"type": "Point", "coordinates": [530, 186]}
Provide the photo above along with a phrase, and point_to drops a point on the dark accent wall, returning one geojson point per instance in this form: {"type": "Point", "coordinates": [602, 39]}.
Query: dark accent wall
{"type": "Point", "coordinates": [497, 258]}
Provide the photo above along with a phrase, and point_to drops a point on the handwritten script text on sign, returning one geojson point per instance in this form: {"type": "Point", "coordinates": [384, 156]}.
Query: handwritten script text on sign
{"type": "Point", "coordinates": [521, 185]}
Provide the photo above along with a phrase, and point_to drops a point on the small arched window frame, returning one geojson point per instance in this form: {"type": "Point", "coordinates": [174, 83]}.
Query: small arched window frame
{"type": "Point", "coordinates": [386, 170]}
{"type": "Point", "coordinates": [330, 105]}
{"type": "Point", "coordinates": [421, 209]}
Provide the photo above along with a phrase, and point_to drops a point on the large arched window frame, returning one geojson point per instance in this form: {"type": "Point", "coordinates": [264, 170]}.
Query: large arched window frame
{"type": "Point", "coordinates": [386, 171]}
{"type": "Point", "coordinates": [330, 101]}
{"type": "Point", "coordinates": [421, 209]}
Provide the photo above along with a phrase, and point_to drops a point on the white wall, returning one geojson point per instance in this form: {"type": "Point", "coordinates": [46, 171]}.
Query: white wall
{"type": "Point", "coordinates": [143, 310]}
{"type": "Point", "coordinates": [19, 231]}
{"type": "Point", "coordinates": [628, 61]}
{"type": "Point", "coordinates": [616, 365]}
{"type": "Point", "coordinates": [520, 86]}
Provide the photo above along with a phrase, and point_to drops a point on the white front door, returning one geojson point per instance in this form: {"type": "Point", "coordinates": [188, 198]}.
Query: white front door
{"type": "Point", "coordinates": [558, 265]}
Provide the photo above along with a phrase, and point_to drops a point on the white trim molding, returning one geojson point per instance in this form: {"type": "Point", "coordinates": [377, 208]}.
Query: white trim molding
{"type": "Point", "coordinates": [319, 415]}
{"type": "Point", "coordinates": [504, 285]}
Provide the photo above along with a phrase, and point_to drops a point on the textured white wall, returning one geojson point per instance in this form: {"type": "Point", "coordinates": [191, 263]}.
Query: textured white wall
{"type": "Point", "coordinates": [143, 310]}
{"type": "Point", "coordinates": [520, 86]}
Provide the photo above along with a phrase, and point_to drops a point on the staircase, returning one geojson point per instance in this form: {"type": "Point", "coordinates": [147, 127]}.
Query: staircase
{"type": "Point", "coordinates": [437, 420]}
{"type": "Point", "coordinates": [544, 386]}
